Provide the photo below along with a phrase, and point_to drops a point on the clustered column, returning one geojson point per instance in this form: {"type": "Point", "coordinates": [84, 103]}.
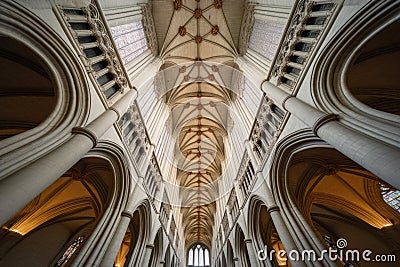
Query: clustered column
{"type": "Point", "coordinates": [380, 158]}
{"type": "Point", "coordinates": [274, 211]}
{"type": "Point", "coordinates": [19, 188]}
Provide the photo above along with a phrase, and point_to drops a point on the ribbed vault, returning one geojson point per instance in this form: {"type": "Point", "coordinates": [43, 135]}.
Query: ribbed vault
{"type": "Point", "coordinates": [196, 82]}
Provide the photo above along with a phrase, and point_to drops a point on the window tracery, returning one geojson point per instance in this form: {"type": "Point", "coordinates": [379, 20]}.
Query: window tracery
{"type": "Point", "coordinates": [130, 40]}
{"type": "Point", "coordinates": [265, 37]}
{"type": "Point", "coordinates": [198, 256]}
{"type": "Point", "coordinates": [391, 196]}
{"type": "Point", "coordinates": [70, 251]}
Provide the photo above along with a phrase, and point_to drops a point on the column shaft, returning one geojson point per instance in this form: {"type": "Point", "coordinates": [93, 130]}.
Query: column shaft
{"type": "Point", "coordinates": [279, 223]}
{"type": "Point", "coordinates": [380, 158]}
{"type": "Point", "coordinates": [236, 262]}
{"type": "Point", "coordinates": [147, 254]}
{"type": "Point", "coordinates": [254, 261]}
{"type": "Point", "coordinates": [116, 241]}
{"type": "Point", "coordinates": [19, 188]}
{"type": "Point", "coordinates": [274, 210]}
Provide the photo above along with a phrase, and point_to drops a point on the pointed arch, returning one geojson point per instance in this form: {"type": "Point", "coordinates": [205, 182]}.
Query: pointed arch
{"type": "Point", "coordinates": [42, 51]}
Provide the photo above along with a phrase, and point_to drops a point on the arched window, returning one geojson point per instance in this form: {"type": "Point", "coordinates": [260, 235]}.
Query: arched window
{"type": "Point", "coordinates": [206, 258]}
{"type": "Point", "coordinates": [391, 196]}
{"type": "Point", "coordinates": [190, 259]}
{"type": "Point", "coordinates": [198, 256]}
{"type": "Point", "coordinates": [130, 40]}
{"type": "Point", "coordinates": [265, 37]}
{"type": "Point", "coordinates": [69, 252]}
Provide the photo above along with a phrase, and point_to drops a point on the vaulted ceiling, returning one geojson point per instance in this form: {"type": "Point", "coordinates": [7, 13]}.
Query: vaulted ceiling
{"type": "Point", "coordinates": [197, 42]}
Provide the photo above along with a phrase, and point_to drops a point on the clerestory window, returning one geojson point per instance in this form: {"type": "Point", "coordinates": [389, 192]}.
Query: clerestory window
{"type": "Point", "coordinates": [130, 40]}
{"type": "Point", "coordinates": [198, 256]}
{"type": "Point", "coordinates": [391, 196]}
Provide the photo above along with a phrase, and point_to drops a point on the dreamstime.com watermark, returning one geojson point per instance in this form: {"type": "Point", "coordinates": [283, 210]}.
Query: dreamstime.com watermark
{"type": "Point", "coordinates": [333, 254]}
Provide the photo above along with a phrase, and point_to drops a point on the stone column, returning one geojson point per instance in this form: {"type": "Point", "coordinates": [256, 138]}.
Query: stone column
{"type": "Point", "coordinates": [116, 241]}
{"type": "Point", "coordinates": [276, 217]}
{"type": "Point", "coordinates": [254, 261]}
{"type": "Point", "coordinates": [147, 254]}
{"type": "Point", "coordinates": [19, 188]}
{"type": "Point", "coordinates": [378, 157]}
{"type": "Point", "coordinates": [146, 161]}
{"type": "Point", "coordinates": [236, 262]}
{"type": "Point", "coordinates": [119, 234]}
{"type": "Point", "coordinates": [273, 209]}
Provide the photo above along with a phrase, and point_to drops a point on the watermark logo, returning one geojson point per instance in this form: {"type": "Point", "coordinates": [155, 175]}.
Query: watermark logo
{"type": "Point", "coordinates": [335, 252]}
{"type": "Point", "coordinates": [341, 243]}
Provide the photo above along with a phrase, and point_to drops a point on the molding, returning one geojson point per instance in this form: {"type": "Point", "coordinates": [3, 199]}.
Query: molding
{"type": "Point", "coordinates": [128, 214]}
{"type": "Point", "coordinates": [93, 16]}
{"type": "Point", "coordinates": [68, 80]}
{"type": "Point", "coordinates": [86, 132]}
{"type": "Point", "coordinates": [284, 101]}
{"type": "Point", "coordinates": [149, 246]}
{"type": "Point", "coordinates": [297, 23]}
{"type": "Point", "coordinates": [322, 120]}
{"type": "Point", "coordinates": [246, 28]}
{"type": "Point", "coordinates": [330, 93]}
{"type": "Point", "coordinates": [248, 240]}
{"type": "Point", "coordinates": [148, 24]}
{"type": "Point", "coordinates": [116, 111]}
{"type": "Point", "coordinates": [273, 208]}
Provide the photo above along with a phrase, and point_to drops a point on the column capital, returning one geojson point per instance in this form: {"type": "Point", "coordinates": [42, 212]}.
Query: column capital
{"type": "Point", "coordinates": [127, 213]}
{"type": "Point", "coordinates": [284, 101]}
{"type": "Point", "coordinates": [149, 246]}
{"type": "Point", "coordinates": [273, 208]}
{"type": "Point", "coordinates": [123, 104]}
{"type": "Point", "coordinates": [116, 111]}
{"type": "Point", "coordinates": [86, 132]}
{"type": "Point", "coordinates": [322, 120]}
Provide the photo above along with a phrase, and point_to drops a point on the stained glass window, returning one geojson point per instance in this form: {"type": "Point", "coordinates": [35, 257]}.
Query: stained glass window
{"type": "Point", "coordinates": [69, 252]}
{"type": "Point", "coordinates": [130, 40]}
{"type": "Point", "coordinates": [265, 37]}
{"type": "Point", "coordinates": [391, 196]}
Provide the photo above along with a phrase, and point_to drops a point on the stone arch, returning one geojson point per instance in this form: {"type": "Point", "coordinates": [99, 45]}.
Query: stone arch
{"type": "Point", "coordinates": [156, 254]}
{"type": "Point", "coordinates": [42, 52]}
{"type": "Point", "coordinates": [135, 236]}
{"type": "Point", "coordinates": [173, 261]}
{"type": "Point", "coordinates": [262, 231]}
{"type": "Point", "coordinates": [323, 193]}
{"type": "Point", "coordinates": [240, 247]}
{"type": "Point", "coordinates": [141, 222]}
{"type": "Point", "coordinates": [81, 206]}
{"type": "Point", "coordinates": [229, 254]}
{"type": "Point", "coordinates": [368, 100]}
{"type": "Point", "coordinates": [167, 256]}
{"type": "Point", "coordinates": [223, 259]}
